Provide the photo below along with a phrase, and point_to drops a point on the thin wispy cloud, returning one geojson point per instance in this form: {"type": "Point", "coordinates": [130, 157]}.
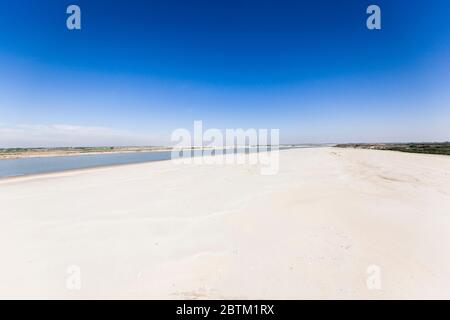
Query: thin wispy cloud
{"type": "Point", "coordinates": [57, 135]}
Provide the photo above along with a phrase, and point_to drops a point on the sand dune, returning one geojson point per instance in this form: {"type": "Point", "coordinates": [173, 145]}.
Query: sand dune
{"type": "Point", "coordinates": [165, 230]}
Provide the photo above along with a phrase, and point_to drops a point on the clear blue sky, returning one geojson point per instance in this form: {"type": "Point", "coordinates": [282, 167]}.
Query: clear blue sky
{"type": "Point", "coordinates": [137, 70]}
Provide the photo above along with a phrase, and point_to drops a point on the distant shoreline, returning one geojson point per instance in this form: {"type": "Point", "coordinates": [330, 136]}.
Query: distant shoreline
{"type": "Point", "coordinates": [18, 153]}
{"type": "Point", "coordinates": [442, 148]}
{"type": "Point", "coordinates": [21, 153]}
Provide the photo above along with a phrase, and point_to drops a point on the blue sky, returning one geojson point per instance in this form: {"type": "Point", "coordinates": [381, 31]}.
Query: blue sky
{"type": "Point", "coordinates": [137, 70]}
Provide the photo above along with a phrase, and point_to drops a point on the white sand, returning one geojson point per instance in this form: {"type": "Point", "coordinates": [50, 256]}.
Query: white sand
{"type": "Point", "coordinates": [161, 230]}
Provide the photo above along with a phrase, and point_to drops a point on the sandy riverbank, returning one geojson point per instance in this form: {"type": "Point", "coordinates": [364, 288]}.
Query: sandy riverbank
{"type": "Point", "coordinates": [72, 152]}
{"type": "Point", "coordinates": [165, 230]}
